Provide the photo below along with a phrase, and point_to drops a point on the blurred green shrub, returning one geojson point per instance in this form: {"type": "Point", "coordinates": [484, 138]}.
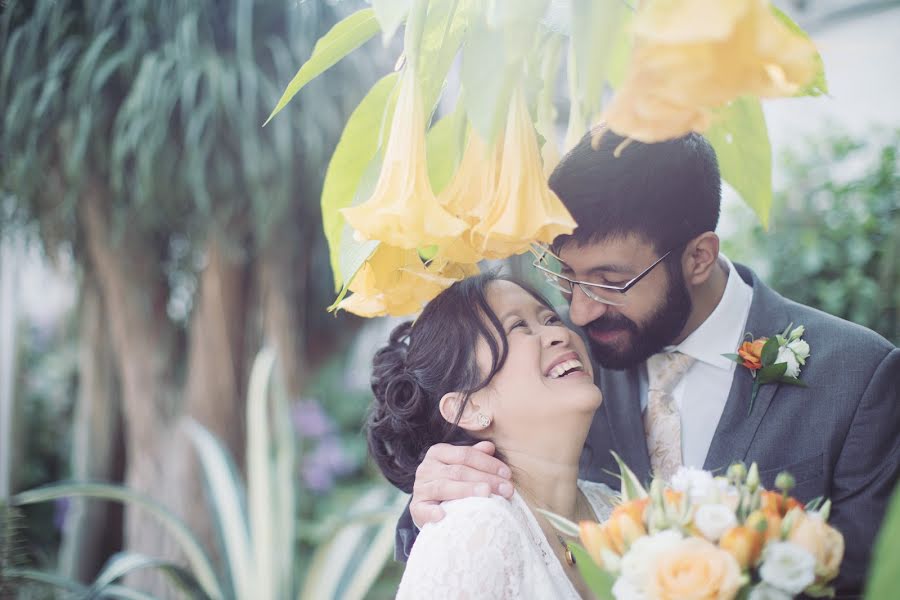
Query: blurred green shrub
{"type": "Point", "coordinates": [834, 243]}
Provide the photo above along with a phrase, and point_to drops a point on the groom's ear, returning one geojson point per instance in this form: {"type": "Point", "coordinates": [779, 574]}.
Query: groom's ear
{"type": "Point", "coordinates": [699, 258]}
{"type": "Point", "coordinates": [454, 403]}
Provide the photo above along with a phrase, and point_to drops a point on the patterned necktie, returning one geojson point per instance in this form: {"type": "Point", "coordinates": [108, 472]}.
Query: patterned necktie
{"type": "Point", "coordinates": [662, 423]}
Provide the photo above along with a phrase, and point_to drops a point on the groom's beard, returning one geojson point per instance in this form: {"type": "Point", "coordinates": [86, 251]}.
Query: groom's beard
{"type": "Point", "coordinates": [640, 342]}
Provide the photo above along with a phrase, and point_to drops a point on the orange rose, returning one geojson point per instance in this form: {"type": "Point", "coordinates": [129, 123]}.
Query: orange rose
{"type": "Point", "coordinates": [621, 530]}
{"type": "Point", "coordinates": [744, 544]}
{"type": "Point", "coordinates": [634, 509]}
{"type": "Point", "coordinates": [765, 521]}
{"type": "Point", "coordinates": [595, 540]}
{"type": "Point", "coordinates": [751, 353]}
{"type": "Point", "coordinates": [776, 502]}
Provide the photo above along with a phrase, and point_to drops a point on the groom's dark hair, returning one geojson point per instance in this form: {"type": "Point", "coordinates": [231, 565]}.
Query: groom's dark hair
{"type": "Point", "coordinates": [668, 192]}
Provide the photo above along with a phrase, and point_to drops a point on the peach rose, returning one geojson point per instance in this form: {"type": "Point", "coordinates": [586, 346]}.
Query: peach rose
{"type": "Point", "coordinates": [823, 541]}
{"type": "Point", "coordinates": [634, 509]}
{"type": "Point", "coordinates": [744, 544]}
{"type": "Point", "coordinates": [696, 569]}
{"type": "Point", "coordinates": [593, 537]}
{"type": "Point", "coordinates": [751, 353]}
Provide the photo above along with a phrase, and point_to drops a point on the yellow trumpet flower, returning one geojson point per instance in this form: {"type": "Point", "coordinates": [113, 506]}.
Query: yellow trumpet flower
{"type": "Point", "coordinates": [395, 281]}
{"type": "Point", "coordinates": [693, 56]}
{"type": "Point", "coordinates": [403, 210]}
{"type": "Point", "coordinates": [469, 194]}
{"type": "Point", "coordinates": [524, 209]}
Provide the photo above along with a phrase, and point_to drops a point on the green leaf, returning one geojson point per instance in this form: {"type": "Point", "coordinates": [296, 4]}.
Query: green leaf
{"type": "Point", "coordinates": [771, 373]}
{"type": "Point", "coordinates": [444, 146]}
{"type": "Point", "coordinates": [793, 381]}
{"type": "Point", "coordinates": [735, 357]}
{"type": "Point", "coordinates": [123, 563]}
{"type": "Point", "coordinates": [562, 524]}
{"type": "Point", "coordinates": [354, 152]}
{"type": "Point", "coordinates": [884, 576]}
{"type": "Point", "coordinates": [596, 29]}
{"type": "Point", "coordinates": [445, 26]}
{"type": "Point", "coordinates": [631, 485]}
{"type": "Point", "coordinates": [741, 140]}
{"type": "Point", "coordinates": [347, 564]}
{"type": "Point", "coordinates": [345, 37]}
{"type": "Point", "coordinates": [188, 543]}
{"type": "Point", "coordinates": [226, 495]}
{"type": "Point", "coordinates": [262, 499]}
{"type": "Point", "coordinates": [769, 352]}
{"type": "Point", "coordinates": [390, 13]}
{"type": "Point", "coordinates": [488, 76]}
{"type": "Point", "coordinates": [818, 86]}
{"type": "Point", "coordinates": [599, 581]}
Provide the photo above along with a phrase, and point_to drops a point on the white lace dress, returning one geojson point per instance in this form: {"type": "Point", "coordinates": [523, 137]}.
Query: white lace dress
{"type": "Point", "coordinates": [491, 548]}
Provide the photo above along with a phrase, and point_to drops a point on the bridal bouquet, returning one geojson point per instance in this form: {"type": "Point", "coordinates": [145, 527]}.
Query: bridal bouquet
{"type": "Point", "coordinates": [700, 536]}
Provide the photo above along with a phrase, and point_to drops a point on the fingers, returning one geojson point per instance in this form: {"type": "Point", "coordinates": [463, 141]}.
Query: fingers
{"type": "Point", "coordinates": [470, 456]}
{"type": "Point", "coordinates": [425, 512]}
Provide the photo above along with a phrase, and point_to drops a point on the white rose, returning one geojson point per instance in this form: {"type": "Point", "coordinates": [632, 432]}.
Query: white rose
{"type": "Point", "coordinates": [767, 592]}
{"type": "Point", "coordinates": [623, 590]}
{"type": "Point", "coordinates": [698, 484]}
{"type": "Point", "coordinates": [787, 567]}
{"type": "Point", "coordinates": [713, 520]}
{"type": "Point", "coordinates": [800, 350]}
{"type": "Point", "coordinates": [797, 333]}
{"type": "Point", "coordinates": [640, 560]}
{"type": "Point", "coordinates": [786, 355]}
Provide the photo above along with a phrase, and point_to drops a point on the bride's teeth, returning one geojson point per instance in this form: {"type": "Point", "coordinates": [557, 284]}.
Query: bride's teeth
{"type": "Point", "coordinates": [557, 371]}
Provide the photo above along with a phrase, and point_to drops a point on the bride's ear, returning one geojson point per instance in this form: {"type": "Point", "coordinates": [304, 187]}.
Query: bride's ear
{"type": "Point", "coordinates": [475, 415]}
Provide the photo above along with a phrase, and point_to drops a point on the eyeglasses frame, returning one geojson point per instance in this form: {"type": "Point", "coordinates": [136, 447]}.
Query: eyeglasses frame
{"type": "Point", "coordinates": [582, 285]}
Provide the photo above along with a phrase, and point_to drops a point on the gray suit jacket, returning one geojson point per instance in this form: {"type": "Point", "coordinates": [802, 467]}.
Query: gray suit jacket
{"type": "Point", "coordinates": [839, 437]}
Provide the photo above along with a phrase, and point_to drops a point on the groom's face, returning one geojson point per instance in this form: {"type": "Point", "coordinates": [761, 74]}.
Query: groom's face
{"type": "Point", "coordinates": [653, 312]}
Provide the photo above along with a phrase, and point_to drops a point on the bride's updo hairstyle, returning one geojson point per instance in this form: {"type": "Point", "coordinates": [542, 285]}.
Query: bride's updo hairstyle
{"type": "Point", "coordinates": [426, 359]}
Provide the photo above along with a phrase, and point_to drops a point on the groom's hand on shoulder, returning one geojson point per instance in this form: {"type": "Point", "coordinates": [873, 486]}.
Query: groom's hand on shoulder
{"type": "Point", "coordinates": [451, 472]}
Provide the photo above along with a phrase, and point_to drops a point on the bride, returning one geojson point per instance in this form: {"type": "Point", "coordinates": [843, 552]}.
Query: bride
{"type": "Point", "coordinates": [489, 361]}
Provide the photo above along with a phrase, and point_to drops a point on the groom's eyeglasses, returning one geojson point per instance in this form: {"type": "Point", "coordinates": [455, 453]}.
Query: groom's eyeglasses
{"type": "Point", "coordinates": [549, 265]}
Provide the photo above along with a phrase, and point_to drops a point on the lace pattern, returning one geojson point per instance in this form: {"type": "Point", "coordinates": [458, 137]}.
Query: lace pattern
{"type": "Point", "coordinates": [491, 548]}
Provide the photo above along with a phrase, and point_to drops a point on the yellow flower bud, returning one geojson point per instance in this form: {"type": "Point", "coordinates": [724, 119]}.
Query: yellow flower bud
{"type": "Point", "coordinates": [593, 537]}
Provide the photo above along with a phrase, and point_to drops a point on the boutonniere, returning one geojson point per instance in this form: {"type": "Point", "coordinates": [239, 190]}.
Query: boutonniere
{"type": "Point", "coordinates": [773, 360]}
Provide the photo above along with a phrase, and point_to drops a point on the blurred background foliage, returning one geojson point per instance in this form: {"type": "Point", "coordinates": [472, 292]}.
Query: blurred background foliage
{"type": "Point", "coordinates": [149, 111]}
{"type": "Point", "coordinates": [835, 239]}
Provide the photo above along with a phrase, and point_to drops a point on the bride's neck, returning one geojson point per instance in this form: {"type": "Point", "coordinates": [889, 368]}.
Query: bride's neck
{"type": "Point", "coordinates": [547, 480]}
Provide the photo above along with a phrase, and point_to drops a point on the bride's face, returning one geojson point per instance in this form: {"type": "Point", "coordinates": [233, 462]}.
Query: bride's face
{"type": "Point", "coordinates": [547, 374]}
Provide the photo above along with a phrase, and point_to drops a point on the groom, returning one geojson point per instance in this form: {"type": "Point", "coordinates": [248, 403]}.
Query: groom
{"type": "Point", "coordinates": [659, 306]}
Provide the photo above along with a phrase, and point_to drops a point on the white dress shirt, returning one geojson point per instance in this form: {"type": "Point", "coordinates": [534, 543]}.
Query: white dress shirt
{"type": "Point", "coordinates": [702, 392]}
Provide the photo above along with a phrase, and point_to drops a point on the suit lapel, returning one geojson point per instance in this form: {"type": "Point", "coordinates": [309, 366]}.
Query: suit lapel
{"type": "Point", "coordinates": [621, 395]}
{"type": "Point", "coordinates": [738, 425]}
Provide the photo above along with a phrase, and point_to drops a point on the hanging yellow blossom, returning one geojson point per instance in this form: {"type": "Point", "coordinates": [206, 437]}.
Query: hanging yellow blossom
{"type": "Point", "coordinates": [403, 211]}
{"type": "Point", "coordinates": [469, 194]}
{"type": "Point", "coordinates": [524, 209]}
{"type": "Point", "coordinates": [693, 56]}
{"type": "Point", "coordinates": [395, 281]}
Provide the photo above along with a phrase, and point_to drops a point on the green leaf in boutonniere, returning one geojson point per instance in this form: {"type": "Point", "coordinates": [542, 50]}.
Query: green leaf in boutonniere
{"type": "Point", "coordinates": [734, 357]}
{"type": "Point", "coordinates": [769, 353]}
{"type": "Point", "coordinates": [793, 381]}
{"type": "Point", "coordinates": [771, 373]}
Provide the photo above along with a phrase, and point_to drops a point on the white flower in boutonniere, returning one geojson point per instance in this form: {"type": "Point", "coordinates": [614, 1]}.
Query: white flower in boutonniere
{"type": "Point", "coordinates": [773, 360]}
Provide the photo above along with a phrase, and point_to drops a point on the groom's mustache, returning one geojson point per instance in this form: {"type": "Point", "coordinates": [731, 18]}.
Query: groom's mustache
{"type": "Point", "coordinates": [611, 322]}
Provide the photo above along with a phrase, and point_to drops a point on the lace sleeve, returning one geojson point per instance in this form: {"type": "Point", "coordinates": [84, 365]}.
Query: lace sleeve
{"type": "Point", "coordinates": [474, 552]}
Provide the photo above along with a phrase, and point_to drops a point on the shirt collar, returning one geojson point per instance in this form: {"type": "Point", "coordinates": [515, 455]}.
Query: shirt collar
{"type": "Point", "coordinates": [723, 329]}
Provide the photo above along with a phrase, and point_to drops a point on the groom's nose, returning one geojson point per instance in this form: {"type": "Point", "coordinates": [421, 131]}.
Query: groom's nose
{"type": "Point", "coordinates": [583, 310]}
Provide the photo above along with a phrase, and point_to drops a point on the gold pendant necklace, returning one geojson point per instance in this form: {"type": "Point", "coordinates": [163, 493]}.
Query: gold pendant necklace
{"type": "Point", "coordinates": [570, 558]}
